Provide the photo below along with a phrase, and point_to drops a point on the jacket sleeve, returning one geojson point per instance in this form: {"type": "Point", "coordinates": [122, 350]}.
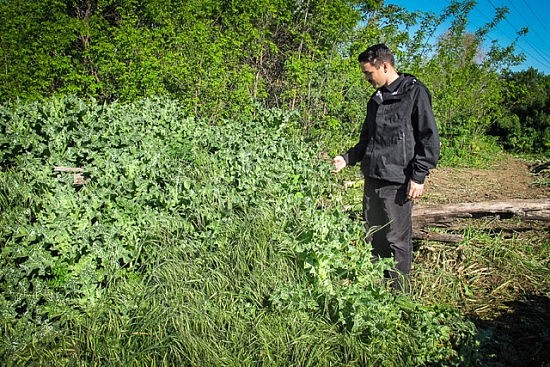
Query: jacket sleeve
{"type": "Point", "coordinates": [356, 154]}
{"type": "Point", "coordinates": [427, 143]}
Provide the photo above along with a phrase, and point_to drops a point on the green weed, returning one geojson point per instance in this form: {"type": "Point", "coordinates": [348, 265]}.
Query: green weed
{"type": "Point", "coordinates": [192, 244]}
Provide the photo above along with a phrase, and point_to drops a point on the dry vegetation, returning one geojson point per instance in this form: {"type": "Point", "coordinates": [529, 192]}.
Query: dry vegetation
{"type": "Point", "coordinates": [499, 275]}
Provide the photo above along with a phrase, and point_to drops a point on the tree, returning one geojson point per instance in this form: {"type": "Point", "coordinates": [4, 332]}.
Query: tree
{"type": "Point", "coordinates": [464, 80]}
{"type": "Point", "coordinates": [526, 125]}
{"type": "Point", "coordinates": [222, 59]}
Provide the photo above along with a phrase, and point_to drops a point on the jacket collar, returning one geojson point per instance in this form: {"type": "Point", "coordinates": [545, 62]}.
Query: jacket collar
{"type": "Point", "coordinates": [393, 86]}
{"type": "Point", "coordinates": [395, 90]}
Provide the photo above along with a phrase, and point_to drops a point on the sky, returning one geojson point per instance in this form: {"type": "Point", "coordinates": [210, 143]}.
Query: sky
{"type": "Point", "coordinates": [531, 14]}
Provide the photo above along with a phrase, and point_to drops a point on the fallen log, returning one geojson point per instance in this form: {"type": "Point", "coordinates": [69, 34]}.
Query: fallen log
{"type": "Point", "coordinates": [68, 169]}
{"type": "Point", "coordinates": [79, 177]}
{"type": "Point", "coordinates": [443, 215]}
{"type": "Point", "coordinates": [440, 215]}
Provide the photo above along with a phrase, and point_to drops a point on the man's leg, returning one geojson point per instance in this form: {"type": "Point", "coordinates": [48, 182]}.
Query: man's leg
{"type": "Point", "coordinates": [385, 204]}
{"type": "Point", "coordinates": [375, 219]}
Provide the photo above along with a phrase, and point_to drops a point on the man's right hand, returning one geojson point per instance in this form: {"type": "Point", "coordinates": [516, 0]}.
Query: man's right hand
{"type": "Point", "coordinates": [339, 163]}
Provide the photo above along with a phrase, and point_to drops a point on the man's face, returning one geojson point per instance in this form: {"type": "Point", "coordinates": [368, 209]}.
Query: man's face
{"type": "Point", "coordinates": [377, 77]}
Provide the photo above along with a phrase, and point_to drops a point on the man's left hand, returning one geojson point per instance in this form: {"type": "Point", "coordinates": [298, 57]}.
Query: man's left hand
{"type": "Point", "coordinates": [415, 190]}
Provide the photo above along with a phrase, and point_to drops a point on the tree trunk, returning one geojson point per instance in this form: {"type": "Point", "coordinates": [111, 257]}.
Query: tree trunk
{"type": "Point", "coordinates": [443, 215]}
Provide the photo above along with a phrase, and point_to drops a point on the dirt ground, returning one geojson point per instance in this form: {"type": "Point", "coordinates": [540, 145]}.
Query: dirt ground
{"type": "Point", "coordinates": [511, 178]}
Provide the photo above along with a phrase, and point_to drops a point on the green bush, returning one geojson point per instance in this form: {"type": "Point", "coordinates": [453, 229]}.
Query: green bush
{"type": "Point", "coordinates": [191, 243]}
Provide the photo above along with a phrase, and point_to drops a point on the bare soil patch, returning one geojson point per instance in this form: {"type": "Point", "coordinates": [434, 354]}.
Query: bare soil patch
{"type": "Point", "coordinates": [510, 178]}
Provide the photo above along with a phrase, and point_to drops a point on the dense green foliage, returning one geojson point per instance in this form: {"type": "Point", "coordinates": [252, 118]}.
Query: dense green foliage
{"type": "Point", "coordinates": [222, 58]}
{"type": "Point", "coordinates": [217, 57]}
{"type": "Point", "coordinates": [191, 244]}
{"type": "Point", "coordinates": [527, 127]}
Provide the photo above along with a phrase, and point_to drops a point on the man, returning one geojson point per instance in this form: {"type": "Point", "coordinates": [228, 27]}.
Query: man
{"type": "Point", "coordinates": [398, 145]}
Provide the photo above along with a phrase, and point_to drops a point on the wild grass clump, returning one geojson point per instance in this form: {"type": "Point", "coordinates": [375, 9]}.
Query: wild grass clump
{"type": "Point", "coordinates": [191, 244]}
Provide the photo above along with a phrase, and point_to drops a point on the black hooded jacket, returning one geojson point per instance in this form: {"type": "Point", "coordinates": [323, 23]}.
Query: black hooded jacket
{"type": "Point", "coordinates": [399, 138]}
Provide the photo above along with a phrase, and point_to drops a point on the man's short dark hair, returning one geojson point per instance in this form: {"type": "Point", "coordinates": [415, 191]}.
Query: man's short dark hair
{"type": "Point", "coordinates": [376, 55]}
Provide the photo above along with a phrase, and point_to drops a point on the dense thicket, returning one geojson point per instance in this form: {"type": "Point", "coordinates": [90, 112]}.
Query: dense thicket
{"type": "Point", "coordinates": [527, 127]}
{"type": "Point", "coordinates": [224, 58]}
{"type": "Point", "coordinates": [219, 57]}
{"type": "Point", "coordinates": [191, 244]}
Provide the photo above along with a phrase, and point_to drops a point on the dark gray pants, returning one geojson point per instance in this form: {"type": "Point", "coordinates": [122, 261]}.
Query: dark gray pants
{"type": "Point", "coordinates": [385, 205]}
